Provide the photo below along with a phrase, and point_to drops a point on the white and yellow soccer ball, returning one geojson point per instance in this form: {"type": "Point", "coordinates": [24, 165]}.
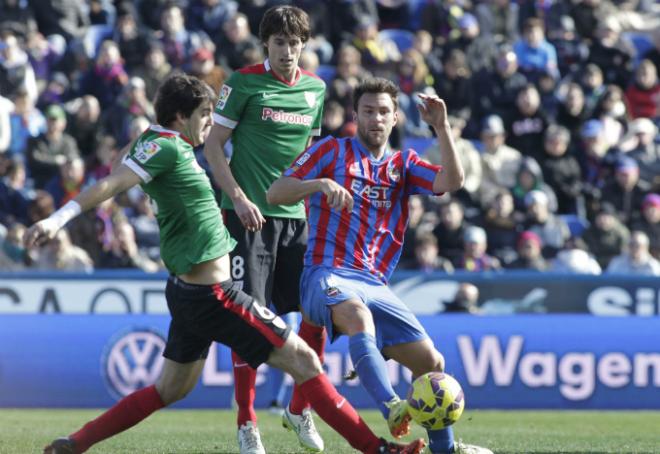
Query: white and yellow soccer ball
{"type": "Point", "coordinates": [435, 400]}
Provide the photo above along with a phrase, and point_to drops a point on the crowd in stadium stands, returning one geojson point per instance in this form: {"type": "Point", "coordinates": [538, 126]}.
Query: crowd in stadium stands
{"type": "Point", "coordinates": [554, 105]}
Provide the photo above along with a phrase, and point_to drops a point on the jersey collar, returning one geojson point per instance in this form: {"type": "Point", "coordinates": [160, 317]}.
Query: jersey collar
{"type": "Point", "coordinates": [159, 129]}
{"type": "Point", "coordinates": [277, 76]}
{"type": "Point", "coordinates": [363, 150]}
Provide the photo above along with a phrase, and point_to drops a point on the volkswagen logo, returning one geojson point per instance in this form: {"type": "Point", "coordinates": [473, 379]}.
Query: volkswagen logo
{"type": "Point", "coordinates": [133, 360]}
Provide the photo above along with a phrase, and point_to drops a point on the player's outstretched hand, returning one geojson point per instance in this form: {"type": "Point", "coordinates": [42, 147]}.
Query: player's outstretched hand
{"type": "Point", "coordinates": [432, 110]}
{"type": "Point", "coordinates": [249, 214]}
{"type": "Point", "coordinates": [338, 197]}
{"type": "Point", "coordinates": [41, 232]}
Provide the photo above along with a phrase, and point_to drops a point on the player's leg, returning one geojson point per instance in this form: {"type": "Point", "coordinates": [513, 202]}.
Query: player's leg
{"type": "Point", "coordinates": [251, 267]}
{"type": "Point", "coordinates": [299, 360]}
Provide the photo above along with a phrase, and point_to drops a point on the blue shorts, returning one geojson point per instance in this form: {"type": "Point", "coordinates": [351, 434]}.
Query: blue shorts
{"type": "Point", "coordinates": [321, 287]}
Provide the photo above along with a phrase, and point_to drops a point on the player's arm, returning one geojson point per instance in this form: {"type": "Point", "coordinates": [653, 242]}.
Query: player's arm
{"type": "Point", "coordinates": [452, 175]}
{"type": "Point", "coordinates": [291, 190]}
{"type": "Point", "coordinates": [118, 181]}
{"type": "Point", "coordinates": [247, 211]}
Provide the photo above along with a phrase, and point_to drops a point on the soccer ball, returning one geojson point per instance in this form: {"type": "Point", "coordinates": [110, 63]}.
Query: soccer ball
{"type": "Point", "coordinates": [435, 400]}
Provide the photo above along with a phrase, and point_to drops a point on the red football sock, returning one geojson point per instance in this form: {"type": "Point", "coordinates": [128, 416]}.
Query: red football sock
{"type": "Point", "coordinates": [315, 338]}
{"type": "Point", "coordinates": [245, 379]}
{"type": "Point", "coordinates": [339, 414]}
{"type": "Point", "coordinates": [124, 414]}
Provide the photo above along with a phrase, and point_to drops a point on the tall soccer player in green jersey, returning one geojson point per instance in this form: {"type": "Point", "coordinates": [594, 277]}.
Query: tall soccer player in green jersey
{"type": "Point", "coordinates": [270, 111]}
{"type": "Point", "coordinates": [205, 304]}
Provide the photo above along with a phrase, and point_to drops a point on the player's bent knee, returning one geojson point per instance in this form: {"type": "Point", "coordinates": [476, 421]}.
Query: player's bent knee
{"type": "Point", "coordinates": [172, 392]}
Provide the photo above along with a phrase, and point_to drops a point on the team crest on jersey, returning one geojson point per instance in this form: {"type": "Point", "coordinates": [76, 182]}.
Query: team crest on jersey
{"type": "Point", "coordinates": [225, 91]}
{"type": "Point", "coordinates": [310, 97]}
{"type": "Point", "coordinates": [354, 169]}
{"type": "Point", "coordinates": [145, 151]}
{"type": "Point", "coordinates": [392, 172]}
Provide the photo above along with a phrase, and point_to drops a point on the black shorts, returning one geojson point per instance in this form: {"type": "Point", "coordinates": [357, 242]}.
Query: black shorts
{"type": "Point", "coordinates": [269, 263]}
{"type": "Point", "coordinates": [223, 313]}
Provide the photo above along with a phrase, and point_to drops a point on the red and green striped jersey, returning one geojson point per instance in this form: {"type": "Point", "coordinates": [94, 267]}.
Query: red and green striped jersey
{"type": "Point", "coordinates": [191, 228]}
{"type": "Point", "coordinates": [272, 121]}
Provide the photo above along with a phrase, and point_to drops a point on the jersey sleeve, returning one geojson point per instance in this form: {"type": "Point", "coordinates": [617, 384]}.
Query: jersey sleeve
{"type": "Point", "coordinates": [420, 174]}
{"type": "Point", "coordinates": [150, 157]}
{"type": "Point", "coordinates": [314, 161]}
{"type": "Point", "coordinates": [231, 104]}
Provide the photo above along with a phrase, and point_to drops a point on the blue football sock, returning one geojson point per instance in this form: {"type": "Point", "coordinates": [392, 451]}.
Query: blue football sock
{"type": "Point", "coordinates": [371, 368]}
{"type": "Point", "coordinates": [441, 441]}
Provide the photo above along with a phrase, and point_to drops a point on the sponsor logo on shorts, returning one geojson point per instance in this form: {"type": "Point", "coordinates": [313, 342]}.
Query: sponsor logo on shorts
{"type": "Point", "coordinates": [225, 91]}
{"type": "Point", "coordinates": [133, 360]}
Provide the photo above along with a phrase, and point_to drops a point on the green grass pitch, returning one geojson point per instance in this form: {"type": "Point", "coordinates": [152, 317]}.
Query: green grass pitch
{"type": "Point", "coordinates": [213, 432]}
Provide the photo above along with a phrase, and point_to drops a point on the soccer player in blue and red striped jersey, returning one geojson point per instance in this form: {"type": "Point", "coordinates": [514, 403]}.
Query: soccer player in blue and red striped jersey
{"type": "Point", "coordinates": [358, 191]}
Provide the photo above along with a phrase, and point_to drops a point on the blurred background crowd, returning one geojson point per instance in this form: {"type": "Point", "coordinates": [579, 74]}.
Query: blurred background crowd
{"type": "Point", "coordinates": [554, 105]}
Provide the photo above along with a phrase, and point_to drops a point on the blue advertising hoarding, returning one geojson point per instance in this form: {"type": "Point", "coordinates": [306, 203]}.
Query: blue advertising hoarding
{"type": "Point", "coordinates": [522, 361]}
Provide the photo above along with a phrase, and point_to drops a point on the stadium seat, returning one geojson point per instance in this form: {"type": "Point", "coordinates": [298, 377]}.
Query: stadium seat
{"type": "Point", "coordinates": [326, 72]}
{"type": "Point", "coordinates": [575, 223]}
{"type": "Point", "coordinates": [642, 43]}
{"type": "Point", "coordinates": [403, 39]}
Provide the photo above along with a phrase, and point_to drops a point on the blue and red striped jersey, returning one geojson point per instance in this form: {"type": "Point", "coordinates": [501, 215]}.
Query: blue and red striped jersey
{"type": "Point", "coordinates": [370, 237]}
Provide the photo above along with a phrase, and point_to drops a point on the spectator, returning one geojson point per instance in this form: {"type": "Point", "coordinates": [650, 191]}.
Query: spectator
{"type": "Point", "coordinates": [536, 55]}
{"type": "Point", "coordinates": [611, 111]}
{"type": "Point", "coordinates": [574, 261]}
{"type": "Point", "coordinates": [238, 42]}
{"type": "Point", "coordinates": [480, 50]}
{"type": "Point", "coordinates": [51, 149]}
{"type": "Point", "coordinates": [453, 84]}
{"type": "Point", "coordinates": [650, 222]}
{"type": "Point", "coordinates": [45, 55]}
{"type": "Point", "coordinates": [606, 236]}
{"type": "Point", "coordinates": [106, 79]}
{"type": "Point", "coordinates": [84, 125]}
{"type": "Point", "coordinates": [18, 17]}
{"type": "Point", "coordinates": [99, 163]}
{"type": "Point", "coordinates": [40, 206]}
{"type": "Point", "coordinates": [495, 91]}
{"type": "Point", "coordinates": [178, 42]}
{"type": "Point", "coordinates": [470, 159]}
{"type": "Point", "coordinates": [499, 162]}
{"type": "Point", "coordinates": [16, 72]}
{"type": "Point", "coordinates": [333, 119]}
{"type": "Point", "coordinates": [379, 55]}
{"type": "Point", "coordinates": [427, 257]}
{"type": "Point", "coordinates": [552, 230]}
{"type": "Point", "coordinates": [527, 125]}
{"type": "Point", "coordinates": [154, 69]}
{"type": "Point", "coordinates": [450, 231]}
{"type": "Point", "coordinates": [56, 91]}
{"type": "Point", "coordinates": [643, 94]}
{"type": "Point", "coordinates": [132, 103]}
{"type": "Point", "coordinates": [502, 225]}
{"type": "Point", "coordinates": [124, 252]}
{"type": "Point", "coordinates": [413, 77]}
{"type": "Point", "coordinates": [592, 152]}
{"type": "Point", "coordinates": [593, 88]}
{"type": "Point", "coordinates": [571, 112]}
{"type": "Point", "coordinates": [643, 148]}
{"type": "Point", "coordinates": [465, 300]}
{"type": "Point", "coordinates": [475, 257]}
{"type": "Point", "coordinates": [66, 18]}
{"type": "Point", "coordinates": [530, 178]}
{"type": "Point", "coordinates": [530, 257]}
{"type": "Point", "coordinates": [572, 52]}
{"type": "Point", "coordinates": [499, 20]}
{"type": "Point", "coordinates": [12, 253]}
{"type": "Point", "coordinates": [418, 224]}
{"type": "Point", "coordinates": [636, 260]}
{"type": "Point", "coordinates": [561, 170]}
{"type": "Point", "coordinates": [131, 37]}
{"type": "Point", "coordinates": [14, 196]}
{"type": "Point", "coordinates": [345, 17]}
{"type": "Point", "coordinates": [349, 72]}
{"type": "Point", "coordinates": [613, 55]}
{"type": "Point", "coordinates": [211, 15]}
{"type": "Point", "coordinates": [59, 254]}
{"type": "Point", "coordinates": [626, 192]}
{"type": "Point", "coordinates": [68, 183]}
{"type": "Point", "coordinates": [440, 18]}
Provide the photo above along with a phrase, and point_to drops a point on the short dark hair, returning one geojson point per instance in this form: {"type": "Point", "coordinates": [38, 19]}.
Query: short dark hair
{"type": "Point", "coordinates": [287, 20]}
{"type": "Point", "coordinates": [181, 93]}
{"type": "Point", "coordinates": [376, 85]}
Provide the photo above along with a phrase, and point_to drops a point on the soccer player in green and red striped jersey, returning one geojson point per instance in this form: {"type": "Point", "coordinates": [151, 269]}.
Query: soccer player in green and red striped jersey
{"type": "Point", "coordinates": [270, 111]}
